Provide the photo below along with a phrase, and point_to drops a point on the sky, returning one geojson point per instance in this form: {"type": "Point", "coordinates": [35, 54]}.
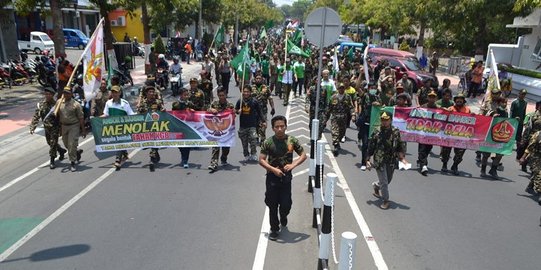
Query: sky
{"type": "Point", "coordinates": [283, 2]}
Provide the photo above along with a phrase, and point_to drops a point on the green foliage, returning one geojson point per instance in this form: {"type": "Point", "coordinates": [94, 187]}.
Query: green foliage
{"type": "Point", "coordinates": [525, 72]}
{"type": "Point", "coordinates": [158, 45]}
{"type": "Point", "coordinates": [404, 46]}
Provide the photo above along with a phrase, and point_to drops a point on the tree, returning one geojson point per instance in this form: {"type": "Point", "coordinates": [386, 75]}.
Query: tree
{"type": "Point", "coordinates": [27, 6]}
{"type": "Point", "coordinates": [297, 10]}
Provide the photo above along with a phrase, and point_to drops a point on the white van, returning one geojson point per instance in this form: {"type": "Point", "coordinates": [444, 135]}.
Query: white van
{"type": "Point", "coordinates": [38, 42]}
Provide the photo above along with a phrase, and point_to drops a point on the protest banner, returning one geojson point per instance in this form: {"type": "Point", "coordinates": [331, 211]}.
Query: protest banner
{"type": "Point", "coordinates": [164, 129]}
{"type": "Point", "coordinates": [451, 129]}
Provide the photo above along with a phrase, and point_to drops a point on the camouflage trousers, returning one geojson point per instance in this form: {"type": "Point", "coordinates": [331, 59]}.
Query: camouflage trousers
{"type": "Point", "coordinates": [495, 161]}
{"type": "Point", "coordinates": [338, 128]}
{"type": "Point", "coordinates": [51, 135]}
{"type": "Point", "coordinates": [287, 89]}
{"type": "Point", "coordinates": [248, 137]}
{"type": "Point", "coordinates": [445, 154]}
{"type": "Point", "coordinates": [535, 179]}
{"type": "Point", "coordinates": [423, 152]}
{"type": "Point", "coordinates": [262, 130]}
{"type": "Point", "coordinates": [216, 153]}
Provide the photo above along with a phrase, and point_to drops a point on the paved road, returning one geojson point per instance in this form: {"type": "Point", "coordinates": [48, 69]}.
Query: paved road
{"type": "Point", "coordinates": [179, 218]}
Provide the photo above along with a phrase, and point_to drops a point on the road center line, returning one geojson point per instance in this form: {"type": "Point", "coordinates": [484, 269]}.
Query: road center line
{"type": "Point", "coordinates": [58, 212]}
{"type": "Point", "coordinates": [16, 180]}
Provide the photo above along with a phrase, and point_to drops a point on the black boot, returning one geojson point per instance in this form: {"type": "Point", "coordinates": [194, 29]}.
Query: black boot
{"type": "Point", "coordinates": [61, 152]}
{"type": "Point", "coordinates": [529, 188]}
{"type": "Point", "coordinates": [51, 165]}
{"type": "Point", "coordinates": [79, 153]}
{"type": "Point", "coordinates": [444, 167]}
{"type": "Point", "coordinates": [454, 168]}
{"type": "Point", "coordinates": [524, 168]}
{"type": "Point", "coordinates": [483, 170]}
{"type": "Point", "coordinates": [494, 172]}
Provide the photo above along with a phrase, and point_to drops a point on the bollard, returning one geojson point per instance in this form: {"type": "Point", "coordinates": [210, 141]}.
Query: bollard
{"type": "Point", "coordinates": [317, 179]}
{"type": "Point", "coordinates": [325, 244]}
{"type": "Point", "coordinates": [313, 138]}
{"type": "Point", "coordinates": [347, 251]}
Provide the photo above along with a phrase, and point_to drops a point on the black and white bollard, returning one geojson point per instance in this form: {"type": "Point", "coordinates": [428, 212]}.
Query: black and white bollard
{"type": "Point", "coordinates": [313, 138]}
{"type": "Point", "coordinates": [326, 225]}
{"type": "Point", "coordinates": [319, 154]}
{"type": "Point", "coordinates": [347, 251]}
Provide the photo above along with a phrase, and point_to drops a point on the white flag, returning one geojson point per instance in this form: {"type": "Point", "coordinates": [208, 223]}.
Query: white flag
{"type": "Point", "coordinates": [335, 64]}
{"type": "Point", "coordinates": [365, 62]}
{"type": "Point", "coordinates": [93, 63]}
{"type": "Point", "coordinates": [493, 80]}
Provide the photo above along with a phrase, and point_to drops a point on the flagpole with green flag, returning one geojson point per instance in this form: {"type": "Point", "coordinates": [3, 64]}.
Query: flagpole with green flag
{"type": "Point", "coordinates": [218, 37]}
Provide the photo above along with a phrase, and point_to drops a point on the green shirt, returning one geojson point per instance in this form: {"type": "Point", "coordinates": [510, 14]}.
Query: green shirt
{"type": "Point", "coordinates": [280, 152]}
{"type": "Point", "coordinates": [280, 70]}
{"type": "Point", "coordinates": [445, 104]}
{"type": "Point", "coordinates": [265, 67]}
{"type": "Point", "coordinates": [299, 68]}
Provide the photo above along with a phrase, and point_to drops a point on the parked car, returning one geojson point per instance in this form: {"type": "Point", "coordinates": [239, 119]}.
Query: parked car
{"type": "Point", "coordinates": [404, 62]}
{"type": "Point", "coordinates": [75, 38]}
{"type": "Point", "coordinates": [36, 42]}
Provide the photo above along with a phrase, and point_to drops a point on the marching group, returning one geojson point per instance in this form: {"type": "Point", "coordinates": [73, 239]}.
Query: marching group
{"type": "Point", "coordinates": [346, 96]}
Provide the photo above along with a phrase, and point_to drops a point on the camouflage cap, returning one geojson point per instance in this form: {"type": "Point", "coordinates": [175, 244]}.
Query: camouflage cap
{"type": "Point", "coordinates": [193, 79]}
{"type": "Point", "coordinates": [495, 91]}
{"type": "Point", "coordinates": [115, 88]}
{"type": "Point", "coordinates": [402, 95]}
{"type": "Point", "coordinates": [67, 89]}
{"type": "Point", "coordinates": [523, 91]}
{"type": "Point", "coordinates": [460, 95]}
{"type": "Point", "coordinates": [385, 116]}
{"type": "Point", "coordinates": [432, 93]}
{"type": "Point", "coordinates": [49, 90]}
{"type": "Point", "coordinates": [399, 85]}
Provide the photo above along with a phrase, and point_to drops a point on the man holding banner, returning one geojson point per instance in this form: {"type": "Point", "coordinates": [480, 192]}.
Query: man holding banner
{"type": "Point", "coordinates": [460, 107]}
{"type": "Point", "coordinates": [424, 149]}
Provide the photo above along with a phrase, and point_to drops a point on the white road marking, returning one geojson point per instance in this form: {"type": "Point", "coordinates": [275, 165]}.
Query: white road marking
{"type": "Point", "coordinates": [300, 172]}
{"type": "Point", "coordinates": [368, 237]}
{"type": "Point", "coordinates": [297, 129]}
{"type": "Point", "coordinates": [58, 212]}
{"type": "Point", "coordinates": [299, 116]}
{"type": "Point", "coordinates": [260, 253]}
{"type": "Point", "coordinates": [16, 180]}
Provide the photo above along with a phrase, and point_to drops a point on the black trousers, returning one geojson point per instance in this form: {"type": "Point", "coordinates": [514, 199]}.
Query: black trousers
{"type": "Point", "coordinates": [278, 199]}
{"type": "Point", "coordinates": [226, 76]}
{"type": "Point", "coordinates": [362, 136]}
{"type": "Point", "coordinates": [424, 151]}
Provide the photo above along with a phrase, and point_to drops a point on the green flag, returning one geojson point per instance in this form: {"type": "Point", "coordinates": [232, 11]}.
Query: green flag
{"type": "Point", "coordinates": [269, 49]}
{"type": "Point", "coordinates": [297, 37]}
{"type": "Point", "coordinates": [351, 53]}
{"type": "Point", "coordinates": [243, 58]}
{"type": "Point", "coordinates": [220, 36]}
{"type": "Point", "coordinates": [269, 24]}
{"type": "Point", "coordinates": [263, 34]}
{"type": "Point", "coordinates": [294, 49]}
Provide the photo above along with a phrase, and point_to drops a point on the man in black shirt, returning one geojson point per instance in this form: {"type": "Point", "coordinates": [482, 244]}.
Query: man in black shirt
{"type": "Point", "coordinates": [250, 116]}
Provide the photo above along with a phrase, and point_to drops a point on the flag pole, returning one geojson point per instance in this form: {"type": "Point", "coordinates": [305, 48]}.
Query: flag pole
{"type": "Point", "coordinates": [57, 105]}
{"type": "Point", "coordinates": [214, 38]}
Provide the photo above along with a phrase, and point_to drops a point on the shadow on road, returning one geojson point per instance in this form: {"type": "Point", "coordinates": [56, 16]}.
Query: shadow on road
{"type": "Point", "coordinates": [288, 237]}
{"type": "Point", "coordinates": [54, 253]}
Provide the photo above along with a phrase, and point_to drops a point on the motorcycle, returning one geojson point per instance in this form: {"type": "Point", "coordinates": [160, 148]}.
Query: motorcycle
{"type": "Point", "coordinates": [5, 78]}
{"type": "Point", "coordinates": [161, 78]}
{"type": "Point", "coordinates": [18, 74]}
{"type": "Point", "coordinates": [46, 74]}
{"type": "Point", "coordinates": [176, 83]}
{"type": "Point", "coordinates": [123, 74]}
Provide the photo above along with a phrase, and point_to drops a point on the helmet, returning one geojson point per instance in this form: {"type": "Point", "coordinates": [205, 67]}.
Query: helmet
{"type": "Point", "coordinates": [161, 56]}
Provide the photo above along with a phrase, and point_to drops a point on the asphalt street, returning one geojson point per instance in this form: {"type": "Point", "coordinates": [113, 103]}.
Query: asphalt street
{"type": "Point", "coordinates": [175, 218]}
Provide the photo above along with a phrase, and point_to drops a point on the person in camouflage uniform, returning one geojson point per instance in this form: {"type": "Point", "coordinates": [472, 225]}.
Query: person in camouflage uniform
{"type": "Point", "coordinates": [219, 106]}
{"type": "Point", "coordinates": [385, 146]}
{"type": "Point", "coordinates": [422, 92]}
{"type": "Point", "coordinates": [364, 104]}
{"type": "Point", "coordinates": [533, 154]}
{"type": "Point", "coordinates": [277, 158]}
{"type": "Point", "coordinates": [263, 96]}
{"type": "Point", "coordinates": [50, 125]}
{"type": "Point", "coordinates": [492, 107]}
{"type": "Point", "coordinates": [197, 96]}
{"type": "Point", "coordinates": [459, 105]}
{"type": "Point", "coordinates": [249, 119]}
{"type": "Point", "coordinates": [98, 102]}
{"type": "Point", "coordinates": [150, 103]}
{"type": "Point", "coordinates": [424, 149]}
{"type": "Point", "coordinates": [206, 87]}
{"type": "Point", "coordinates": [183, 103]}
{"type": "Point", "coordinates": [339, 107]}
{"type": "Point", "coordinates": [533, 124]}
{"type": "Point", "coordinates": [311, 98]}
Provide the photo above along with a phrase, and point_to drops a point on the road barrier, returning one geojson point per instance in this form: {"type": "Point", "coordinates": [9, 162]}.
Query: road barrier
{"type": "Point", "coordinates": [347, 251]}
{"type": "Point", "coordinates": [313, 138]}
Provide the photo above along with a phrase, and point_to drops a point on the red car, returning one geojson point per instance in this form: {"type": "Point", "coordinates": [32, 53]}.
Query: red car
{"type": "Point", "coordinates": [403, 61]}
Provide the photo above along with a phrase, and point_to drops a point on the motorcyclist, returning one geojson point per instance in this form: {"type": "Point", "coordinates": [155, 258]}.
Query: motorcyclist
{"type": "Point", "coordinates": [162, 64]}
{"type": "Point", "coordinates": [175, 68]}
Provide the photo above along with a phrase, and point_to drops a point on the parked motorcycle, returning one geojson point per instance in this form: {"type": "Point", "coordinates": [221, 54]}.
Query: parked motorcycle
{"type": "Point", "coordinates": [46, 73]}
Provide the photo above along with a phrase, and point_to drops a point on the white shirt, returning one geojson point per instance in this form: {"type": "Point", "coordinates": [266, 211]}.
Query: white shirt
{"type": "Point", "coordinates": [288, 76]}
{"type": "Point", "coordinates": [117, 109]}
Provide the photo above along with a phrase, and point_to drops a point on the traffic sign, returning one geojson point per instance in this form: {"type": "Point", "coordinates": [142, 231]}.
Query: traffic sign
{"type": "Point", "coordinates": [323, 27]}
